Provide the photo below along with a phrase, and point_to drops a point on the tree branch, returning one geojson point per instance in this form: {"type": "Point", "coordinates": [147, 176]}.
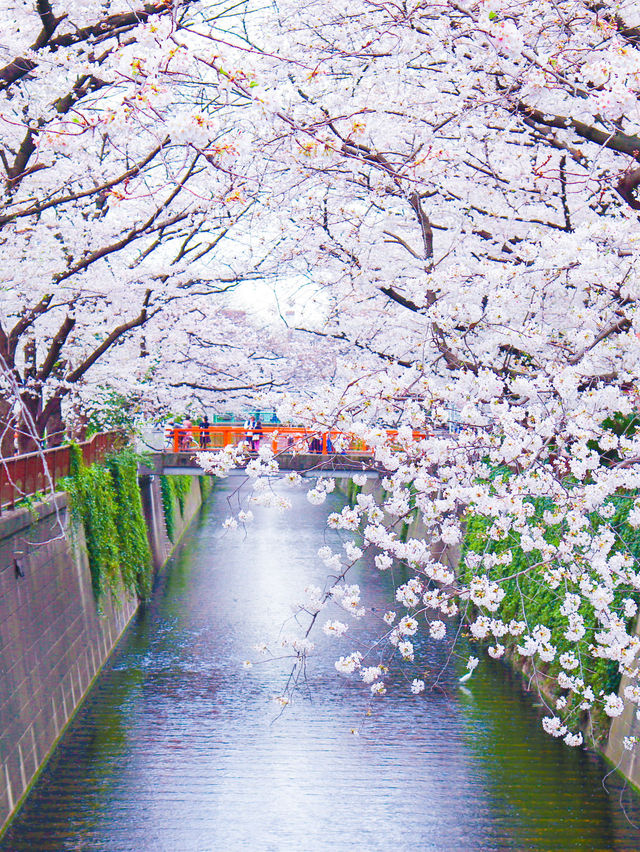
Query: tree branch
{"type": "Point", "coordinates": [75, 375]}
{"type": "Point", "coordinates": [18, 170]}
{"type": "Point", "coordinates": [401, 300]}
{"type": "Point", "coordinates": [35, 209]}
{"type": "Point", "coordinates": [133, 234]}
{"type": "Point", "coordinates": [54, 350]}
{"type": "Point", "coordinates": [198, 386]}
{"type": "Point", "coordinates": [627, 186]}
{"type": "Point", "coordinates": [621, 325]}
{"type": "Point", "coordinates": [23, 324]}
{"type": "Point", "coordinates": [342, 336]}
{"type": "Point", "coordinates": [401, 242]}
{"type": "Point", "coordinates": [425, 228]}
{"type": "Point", "coordinates": [106, 27]}
{"type": "Point", "coordinates": [117, 332]}
{"type": "Point", "coordinates": [49, 23]}
{"type": "Point", "coordinates": [615, 140]}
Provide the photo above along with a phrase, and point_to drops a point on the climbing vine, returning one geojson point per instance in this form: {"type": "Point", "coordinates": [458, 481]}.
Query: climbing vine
{"type": "Point", "coordinates": [105, 499]}
{"type": "Point", "coordinates": [352, 491]}
{"type": "Point", "coordinates": [167, 495]}
{"type": "Point", "coordinates": [182, 487]}
{"type": "Point", "coordinates": [174, 491]}
{"type": "Point", "coordinates": [530, 597]}
{"type": "Point", "coordinates": [135, 556]}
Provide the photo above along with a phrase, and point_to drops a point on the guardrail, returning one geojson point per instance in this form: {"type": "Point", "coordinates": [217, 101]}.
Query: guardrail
{"type": "Point", "coordinates": [33, 473]}
{"type": "Point", "coordinates": [281, 438]}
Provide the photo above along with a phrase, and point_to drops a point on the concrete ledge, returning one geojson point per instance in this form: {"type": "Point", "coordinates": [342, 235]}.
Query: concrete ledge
{"type": "Point", "coordinates": [16, 520]}
{"type": "Point", "coordinates": [175, 464]}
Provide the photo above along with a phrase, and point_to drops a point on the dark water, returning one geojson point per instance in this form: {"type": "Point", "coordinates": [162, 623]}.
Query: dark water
{"type": "Point", "coordinates": [177, 748]}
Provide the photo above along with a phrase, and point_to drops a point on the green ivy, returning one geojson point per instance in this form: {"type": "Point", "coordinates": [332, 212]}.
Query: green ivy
{"type": "Point", "coordinates": [135, 556]}
{"type": "Point", "coordinates": [352, 492]}
{"type": "Point", "coordinates": [530, 593]}
{"type": "Point", "coordinates": [174, 491]}
{"type": "Point", "coordinates": [31, 502]}
{"type": "Point", "coordinates": [168, 503]}
{"type": "Point", "coordinates": [182, 487]}
{"type": "Point", "coordinates": [206, 486]}
{"type": "Point", "coordinates": [106, 500]}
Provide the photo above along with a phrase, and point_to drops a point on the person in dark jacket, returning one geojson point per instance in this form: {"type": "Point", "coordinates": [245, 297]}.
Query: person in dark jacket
{"type": "Point", "coordinates": [205, 437]}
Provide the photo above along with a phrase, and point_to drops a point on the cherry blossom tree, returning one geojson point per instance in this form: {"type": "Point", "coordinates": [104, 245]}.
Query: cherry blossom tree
{"type": "Point", "coordinates": [125, 176]}
{"type": "Point", "coordinates": [466, 205]}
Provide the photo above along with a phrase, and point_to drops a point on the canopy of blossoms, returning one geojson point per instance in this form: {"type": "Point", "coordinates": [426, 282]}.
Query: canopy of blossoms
{"type": "Point", "coordinates": [452, 189]}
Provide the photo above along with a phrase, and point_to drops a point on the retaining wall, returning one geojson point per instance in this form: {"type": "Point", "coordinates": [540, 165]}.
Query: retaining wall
{"type": "Point", "coordinates": [625, 725]}
{"type": "Point", "coordinates": [159, 542]}
{"type": "Point", "coordinates": [53, 640]}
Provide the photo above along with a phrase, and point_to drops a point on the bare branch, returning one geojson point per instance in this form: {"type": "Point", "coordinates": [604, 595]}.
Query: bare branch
{"type": "Point", "coordinates": [396, 239]}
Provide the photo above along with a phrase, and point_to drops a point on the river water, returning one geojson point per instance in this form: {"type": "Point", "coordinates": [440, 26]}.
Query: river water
{"type": "Point", "coordinates": [178, 748]}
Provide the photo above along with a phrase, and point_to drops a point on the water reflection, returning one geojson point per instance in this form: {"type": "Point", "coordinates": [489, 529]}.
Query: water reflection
{"type": "Point", "coordinates": [176, 748]}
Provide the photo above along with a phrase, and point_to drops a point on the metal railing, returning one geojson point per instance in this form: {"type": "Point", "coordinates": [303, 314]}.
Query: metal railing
{"type": "Point", "coordinates": [34, 473]}
{"type": "Point", "coordinates": [282, 439]}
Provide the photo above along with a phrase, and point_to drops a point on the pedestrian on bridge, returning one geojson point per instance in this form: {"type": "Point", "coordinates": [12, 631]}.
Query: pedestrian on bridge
{"type": "Point", "coordinates": [315, 445]}
{"type": "Point", "coordinates": [186, 434]}
{"type": "Point", "coordinates": [205, 437]}
{"type": "Point", "coordinates": [249, 426]}
{"type": "Point", "coordinates": [257, 435]}
{"type": "Point", "coordinates": [169, 431]}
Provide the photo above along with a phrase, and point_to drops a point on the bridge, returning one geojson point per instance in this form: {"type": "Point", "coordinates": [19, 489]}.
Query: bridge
{"type": "Point", "coordinates": [296, 448]}
{"type": "Point", "coordinates": [281, 439]}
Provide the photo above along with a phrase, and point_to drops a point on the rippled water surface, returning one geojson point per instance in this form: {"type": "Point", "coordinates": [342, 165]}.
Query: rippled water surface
{"type": "Point", "coordinates": [178, 748]}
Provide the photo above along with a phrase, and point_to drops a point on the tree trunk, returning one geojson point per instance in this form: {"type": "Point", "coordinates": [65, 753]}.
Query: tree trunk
{"type": "Point", "coordinates": [7, 430]}
{"type": "Point", "coordinates": [55, 427]}
{"type": "Point", "coordinates": [78, 423]}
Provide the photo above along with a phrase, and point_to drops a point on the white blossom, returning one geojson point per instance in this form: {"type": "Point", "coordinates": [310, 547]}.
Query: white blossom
{"type": "Point", "coordinates": [553, 725]}
{"type": "Point", "coordinates": [334, 628]}
{"type": "Point", "coordinates": [437, 630]}
{"type": "Point", "coordinates": [613, 705]}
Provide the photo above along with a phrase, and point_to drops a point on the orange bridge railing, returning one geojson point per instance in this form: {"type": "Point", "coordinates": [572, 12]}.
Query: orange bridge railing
{"type": "Point", "coordinates": [282, 439]}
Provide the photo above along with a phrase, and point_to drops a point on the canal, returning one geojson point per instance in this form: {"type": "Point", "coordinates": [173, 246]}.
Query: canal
{"type": "Point", "coordinates": [179, 748]}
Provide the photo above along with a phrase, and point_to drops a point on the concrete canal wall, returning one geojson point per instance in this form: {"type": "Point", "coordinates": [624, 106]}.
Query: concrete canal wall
{"type": "Point", "coordinates": [53, 638]}
{"type": "Point", "coordinates": [625, 725]}
{"type": "Point", "coordinates": [159, 541]}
